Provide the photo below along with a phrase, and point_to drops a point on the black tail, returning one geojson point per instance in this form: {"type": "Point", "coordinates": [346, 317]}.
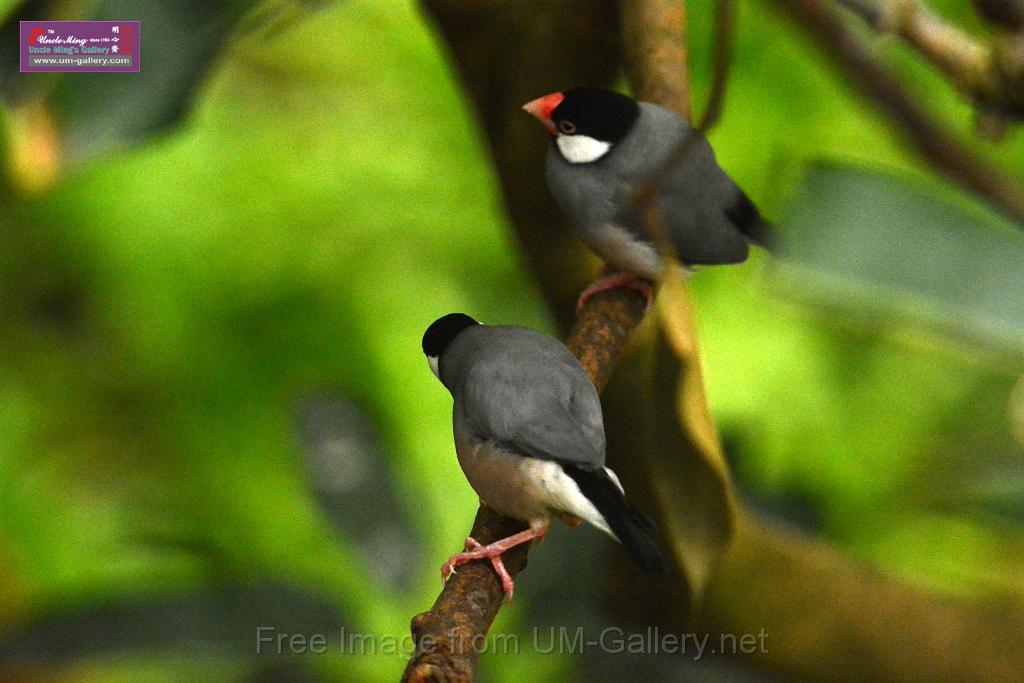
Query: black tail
{"type": "Point", "coordinates": [630, 526]}
{"type": "Point", "coordinates": [748, 220]}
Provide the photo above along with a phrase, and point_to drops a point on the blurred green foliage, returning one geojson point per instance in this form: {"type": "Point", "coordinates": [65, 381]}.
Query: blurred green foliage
{"type": "Point", "coordinates": [166, 306]}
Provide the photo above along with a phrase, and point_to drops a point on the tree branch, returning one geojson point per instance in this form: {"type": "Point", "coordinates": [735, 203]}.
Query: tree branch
{"type": "Point", "coordinates": [993, 76]}
{"type": "Point", "coordinates": [939, 147]}
{"type": "Point", "coordinates": [656, 52]}
{"type": "Point", "coordinates": [721, 60]}
{"type": "Point", "coordinates": [952, 51]}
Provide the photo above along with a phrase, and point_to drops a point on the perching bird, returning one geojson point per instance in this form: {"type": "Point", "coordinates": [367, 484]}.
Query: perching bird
{"type": "Point", "coordinates": [529, 436]}
{"type": "Point", "coordinates": [606, 147]}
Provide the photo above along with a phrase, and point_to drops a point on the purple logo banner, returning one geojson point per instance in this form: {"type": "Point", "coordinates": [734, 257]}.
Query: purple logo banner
{"type": "Point", "coordinates": [78, 46]}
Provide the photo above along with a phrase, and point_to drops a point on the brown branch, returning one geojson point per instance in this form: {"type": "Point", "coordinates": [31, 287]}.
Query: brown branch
{"type": "Point", "coordinates": [721, 59]}
{"type": "Point", "coordinates": [939, 147]}
{"type": "Point", "coordinates": [656, 52]}
{"type": "Point", "coordinates": [957, 54]}
{"type": "Point", "coordinates": [991, 75]}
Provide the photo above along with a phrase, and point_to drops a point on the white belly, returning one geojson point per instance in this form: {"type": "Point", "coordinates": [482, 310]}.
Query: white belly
{"type": "Point", "coordinates": [521, 487]}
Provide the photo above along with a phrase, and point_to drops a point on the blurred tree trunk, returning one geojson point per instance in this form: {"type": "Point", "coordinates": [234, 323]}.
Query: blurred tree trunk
{"type": "Point", "coordinates": [509, 53]}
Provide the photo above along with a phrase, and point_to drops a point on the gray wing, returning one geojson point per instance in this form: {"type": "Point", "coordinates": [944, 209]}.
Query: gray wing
{"type": "Point", "coordinates": [700, 205]}
{"type": "Point", "coordinates": [541, 405]}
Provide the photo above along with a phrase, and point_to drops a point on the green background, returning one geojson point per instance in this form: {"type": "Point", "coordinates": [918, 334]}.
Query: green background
{"type": "Point", "coordinates": [188, 291]}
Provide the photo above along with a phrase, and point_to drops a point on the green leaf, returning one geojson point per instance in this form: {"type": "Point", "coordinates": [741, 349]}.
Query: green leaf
{"type": "Point", "coordinates": [885, 244]}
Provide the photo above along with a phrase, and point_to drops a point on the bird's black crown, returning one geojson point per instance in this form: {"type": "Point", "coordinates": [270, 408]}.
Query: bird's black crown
{"type": "Point", "coordinates": [443, 330]}
{"type": "Point", "coordinates": [595, 112]}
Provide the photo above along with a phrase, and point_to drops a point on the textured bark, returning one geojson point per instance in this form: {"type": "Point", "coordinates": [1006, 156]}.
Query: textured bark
{"type": "Point", "coordinates": [448, 637]}
{"type": "Point", "coordinates": [988, 74]}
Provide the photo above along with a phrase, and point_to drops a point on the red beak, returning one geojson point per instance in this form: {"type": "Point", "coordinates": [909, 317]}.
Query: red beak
{"type": "Point", "coordinates": [542, 107]}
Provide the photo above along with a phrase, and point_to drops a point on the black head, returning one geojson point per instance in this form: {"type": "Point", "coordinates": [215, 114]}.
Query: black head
{"type": "Point", "coordinates": [595, 112]}
{"type": "Point", "coordinates": [442, 331]}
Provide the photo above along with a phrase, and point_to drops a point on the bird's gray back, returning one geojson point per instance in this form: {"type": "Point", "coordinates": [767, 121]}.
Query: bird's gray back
{"type": "Point", "coordinates": [524, 389]}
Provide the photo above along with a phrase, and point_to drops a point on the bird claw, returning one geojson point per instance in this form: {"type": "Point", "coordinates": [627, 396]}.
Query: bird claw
{"type": "Point", "coordinates": [447, 570]}
{"type": "Point", "coordinates": [509, 587]}
{"type": "Point", "coordinates": [492, 552]}
{"type": "Point", "coordinates": [474, 550]}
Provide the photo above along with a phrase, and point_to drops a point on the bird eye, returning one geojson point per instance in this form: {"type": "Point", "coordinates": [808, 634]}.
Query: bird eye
{"type": "Point", "coordinates": [567, 127]}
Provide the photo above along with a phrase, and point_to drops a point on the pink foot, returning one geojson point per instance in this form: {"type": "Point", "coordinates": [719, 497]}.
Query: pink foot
{"type": "Point", "coordinates": [627, 280]}
{"type": "Point", "coordinates": [499, 568]}
{"type": "Point", "coordinates": [492, 552]}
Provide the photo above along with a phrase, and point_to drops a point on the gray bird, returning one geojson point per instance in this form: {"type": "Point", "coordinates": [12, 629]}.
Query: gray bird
{"type": "Point", "coordinates": [605, 147]}
{"type": "Point", "coordinates": [529, 436]}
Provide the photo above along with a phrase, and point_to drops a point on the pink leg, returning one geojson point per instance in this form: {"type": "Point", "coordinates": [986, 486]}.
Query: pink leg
{"type": "Point", "coordinates": [627, 280]}
{"type": "Point", "coordinates": [493, 553]}
{"type": "Point", "coordinates": [499, 568]}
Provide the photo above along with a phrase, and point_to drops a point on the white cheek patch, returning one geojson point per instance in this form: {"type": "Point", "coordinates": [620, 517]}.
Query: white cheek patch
{"type": "Point", "coordinates": [581, 149]}
{"type": "Point", "coordinates": [432, 361]}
